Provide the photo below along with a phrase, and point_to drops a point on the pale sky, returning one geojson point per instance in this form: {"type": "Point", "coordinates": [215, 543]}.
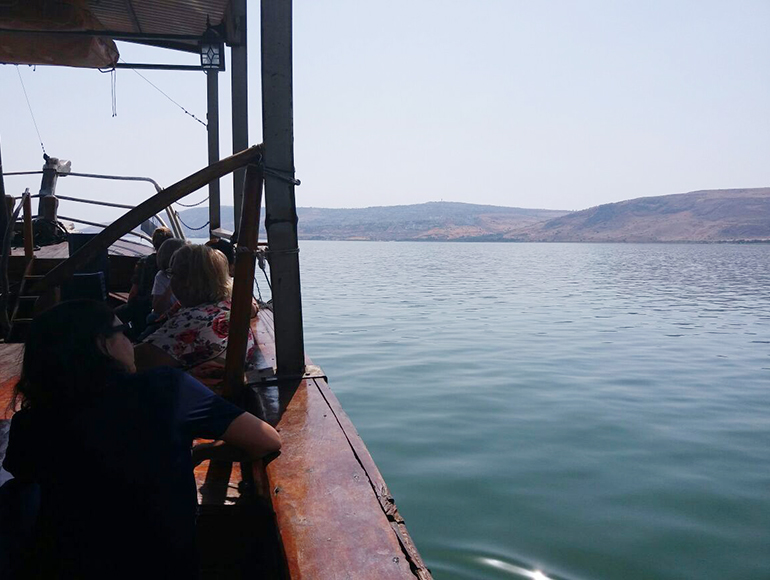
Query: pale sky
{"type": "Point", "coordinates": [538, 104]}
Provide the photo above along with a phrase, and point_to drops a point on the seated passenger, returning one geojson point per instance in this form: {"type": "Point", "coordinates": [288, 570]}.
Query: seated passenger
{"type": "Point", "coordinates": [139, 303]}
{"type": "Point", "coordinates": [227, 249]}
{"type": "Point", "coordinates": [162, 296]}
{"type": "Point", "coordinates": [197, 332]}
{"type": "Point", "coordinates": [111, 450]}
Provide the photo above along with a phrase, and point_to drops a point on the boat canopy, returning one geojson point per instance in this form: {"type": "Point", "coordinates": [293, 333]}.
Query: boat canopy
{"type": "Point", "coordinates": [82, 33]}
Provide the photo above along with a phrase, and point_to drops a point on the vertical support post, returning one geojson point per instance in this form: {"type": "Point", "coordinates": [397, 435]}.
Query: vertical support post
{"type": "Point", "coordinates": [29, 244]}
{"type": "Point", "coordinates": [48, 183]}
{"type": "Point", "coordinates": [212, 118]}
{"type": "Point", "coordinates": [4, 213]}
{"type": "Point", "coordinates": [5, 228]}
{"type": "Point", "coordinates": [48, 207]}
{"type": "Point", "coordinates": [243, 286]}
{"type": "Point", "coordinates": [240, 101]}
{"type": "Point", "coordinates": [280, 209]}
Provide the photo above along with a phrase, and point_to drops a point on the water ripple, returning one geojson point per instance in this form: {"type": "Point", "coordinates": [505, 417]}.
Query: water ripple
{"type": "Point", "coordinates": [516, 437]}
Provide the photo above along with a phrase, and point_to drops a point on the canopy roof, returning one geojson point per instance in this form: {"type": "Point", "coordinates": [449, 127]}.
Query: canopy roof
{"type": "Point", "coordinates": [82, 32]}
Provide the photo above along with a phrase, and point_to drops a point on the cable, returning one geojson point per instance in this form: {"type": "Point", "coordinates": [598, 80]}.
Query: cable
{"type": "Point", "coordinates": [23, 88]}
{"type": "Point", "coordinates": [165, 95]}
{"type": "Point", "coordinates": [194, 204]}
{"type": "Point", "coordinates": [258, 290]}
{"type": "Point", "coordinates": [191, 228]}
{"type": "Point", "coordinates": [261, 261]}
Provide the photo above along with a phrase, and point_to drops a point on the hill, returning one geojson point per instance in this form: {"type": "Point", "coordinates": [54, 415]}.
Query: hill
{"type": "Point", "coordinates": [426, 221]}
{"type": "Point", "coordinates": [700, 216]}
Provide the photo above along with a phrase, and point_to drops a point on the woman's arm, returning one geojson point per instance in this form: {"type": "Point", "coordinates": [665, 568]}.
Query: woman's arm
{"type": "Point", "coordinates": [252, 435]}
{"type": "Point", "coordinates": [159, 300]}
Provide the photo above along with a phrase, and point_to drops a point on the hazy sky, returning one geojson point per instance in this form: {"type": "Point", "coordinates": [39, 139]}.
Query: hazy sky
{"type": "Point", "coordinates": [560, 105]}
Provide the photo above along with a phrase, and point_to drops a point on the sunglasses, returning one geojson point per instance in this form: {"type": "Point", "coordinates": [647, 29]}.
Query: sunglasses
{"type": "Point", "coordinates": [119, 328]}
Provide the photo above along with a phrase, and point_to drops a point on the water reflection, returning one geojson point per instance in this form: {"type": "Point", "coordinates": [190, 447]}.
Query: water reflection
{"type": "Point", "coordinates": [513, 569]}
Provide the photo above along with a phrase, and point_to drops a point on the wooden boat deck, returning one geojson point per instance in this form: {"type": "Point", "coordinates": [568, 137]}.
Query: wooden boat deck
{"type": "Point", "coordinates": [61, 251]}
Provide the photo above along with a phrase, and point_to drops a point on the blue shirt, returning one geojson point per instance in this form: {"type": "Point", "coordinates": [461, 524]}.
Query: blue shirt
{"type": "Point", "coordinates": [117, 490]}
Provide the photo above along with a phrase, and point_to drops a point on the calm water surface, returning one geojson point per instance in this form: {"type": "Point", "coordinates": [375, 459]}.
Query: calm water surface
{"type": "Point", "coordinates": [590, 411]}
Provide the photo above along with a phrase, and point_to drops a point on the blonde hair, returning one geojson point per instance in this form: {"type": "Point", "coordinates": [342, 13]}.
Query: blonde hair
{"type": "Point", "coordinates": [199, 274]}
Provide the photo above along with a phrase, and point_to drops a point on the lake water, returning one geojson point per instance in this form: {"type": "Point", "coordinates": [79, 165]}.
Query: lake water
{"type": "Point", "coordinates": [588, 411]}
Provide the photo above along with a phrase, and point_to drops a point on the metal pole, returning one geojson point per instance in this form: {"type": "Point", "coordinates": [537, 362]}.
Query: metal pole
{"type": "Point", "coordinates": [240, 103]}
{"type": "Point", "coordinates": [29, 243]}
{"type": "Point", "coordinates": [3, 212]}
{"type": "Point", "coordinates": [212, 85]}
{"type": "Point", "coordinates": [5, 218]}
{"type": "Point", "coordinates": [280, 206]}
{"type": "Point", "coordinates": [48, 183]}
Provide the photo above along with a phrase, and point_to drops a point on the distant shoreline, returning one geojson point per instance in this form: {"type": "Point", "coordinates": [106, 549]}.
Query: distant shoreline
{"type": "Point", "coordinates": [740, 216]}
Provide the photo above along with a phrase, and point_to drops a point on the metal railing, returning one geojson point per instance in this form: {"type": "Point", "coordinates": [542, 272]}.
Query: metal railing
{"type": "Point", "coordinates": [174, 223]}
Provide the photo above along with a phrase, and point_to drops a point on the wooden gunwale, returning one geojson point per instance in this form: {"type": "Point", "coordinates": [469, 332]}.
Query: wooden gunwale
{"type": "Point", "coordinates": [335, 516]}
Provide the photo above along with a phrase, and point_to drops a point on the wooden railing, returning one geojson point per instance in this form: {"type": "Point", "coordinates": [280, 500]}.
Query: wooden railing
{"type": "Point", "coordinates": [245, 258]}
{"type": "Point", "coordinates": [144, 211]}
{"type": "Point", "coordinates": [6, 252]}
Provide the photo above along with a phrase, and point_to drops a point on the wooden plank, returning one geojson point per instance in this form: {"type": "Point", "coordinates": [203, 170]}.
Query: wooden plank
{"type": "Point", "coordinates": [10, 369]}
{"type": "Point", "coordinates": [61, 250]}
{"type": "Point", "coordinates": [243, 286]}
{"type": "Point", "coordinates": [379, 487]}
{"type": "Point", "coordinates": [329, 519]}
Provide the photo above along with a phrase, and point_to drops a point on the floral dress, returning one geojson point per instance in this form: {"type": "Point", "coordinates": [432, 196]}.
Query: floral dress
{"type": "Point", "coordinates": [197, 334]}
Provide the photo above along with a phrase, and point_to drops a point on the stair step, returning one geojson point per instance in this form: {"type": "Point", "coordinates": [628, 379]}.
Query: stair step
{"type": "Point", "coordinates": [18, 332]}
{"type": "Point", "coordinates": [25, 308]}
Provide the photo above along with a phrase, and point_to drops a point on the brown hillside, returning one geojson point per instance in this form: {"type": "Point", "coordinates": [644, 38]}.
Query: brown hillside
{"type": "Point", "coordinates": [700, 216]}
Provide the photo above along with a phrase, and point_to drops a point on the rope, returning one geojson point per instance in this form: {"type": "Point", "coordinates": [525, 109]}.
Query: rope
{"type": "Point", "coordinates": [23, 88]}
{"type": "Point", "coordinates": [258, 290]}
{"type": "Point", "coordinates": [165, 95]}
{"type": "Point", "coordinates": [282, 175]}
{"type": "Point", "coordinates": [261, 261]}
{"type": "Point", "coordinates": [194, 204]}
{"type": "Point", "coordinates": [191, 228]}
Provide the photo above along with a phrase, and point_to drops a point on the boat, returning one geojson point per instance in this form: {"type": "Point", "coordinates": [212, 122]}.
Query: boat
{"type": "Point", "coordinates": [320, 509]}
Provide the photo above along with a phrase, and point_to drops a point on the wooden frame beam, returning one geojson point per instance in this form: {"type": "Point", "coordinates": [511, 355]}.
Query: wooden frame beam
{"type": "Point", "coordinates": [212, 127]}
{"type": "Point", "coordinates": [280, 206]}
{"type": "Point", "coordinates": [243, 285]}
{"type": "Point", "coordinates": [240, 101]}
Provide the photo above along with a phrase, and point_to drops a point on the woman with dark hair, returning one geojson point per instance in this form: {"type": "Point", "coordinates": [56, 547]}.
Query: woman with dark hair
{"type": "Point", "coordinates": [111, 449]}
